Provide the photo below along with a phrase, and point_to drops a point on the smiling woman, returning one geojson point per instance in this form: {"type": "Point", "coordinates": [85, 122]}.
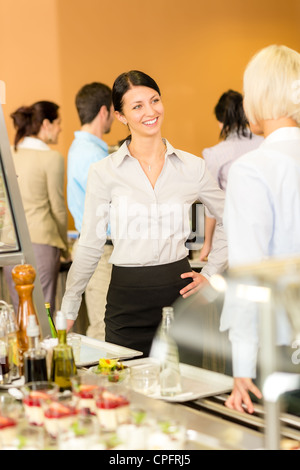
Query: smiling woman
{"type": "Point", "coordinates": [152, 185]}
{"type": "Point", "coordinates": [143, 113]}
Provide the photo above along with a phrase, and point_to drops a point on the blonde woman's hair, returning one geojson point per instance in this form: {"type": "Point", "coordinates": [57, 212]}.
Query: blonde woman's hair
{"type": "Point", "coordinates": [272, 85]}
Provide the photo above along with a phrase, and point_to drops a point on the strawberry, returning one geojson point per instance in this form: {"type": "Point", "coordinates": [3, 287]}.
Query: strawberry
{"type": "Point", "coordinates": [6, 422]}
{"type": "Point", "coordinates": [39, 394]}
{"type": "Point", "coordinates": [86, 391]}
{"type": "Point", "coordinates": [109, 400]}
{"type": "Point", "coordinates": [35, 398]}
{"type": "Point", "coordinates": [58, 410]}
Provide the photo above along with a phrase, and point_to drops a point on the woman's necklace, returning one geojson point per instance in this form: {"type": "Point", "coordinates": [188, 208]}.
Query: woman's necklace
{"type": "Point", "coordinates": [146, 164]}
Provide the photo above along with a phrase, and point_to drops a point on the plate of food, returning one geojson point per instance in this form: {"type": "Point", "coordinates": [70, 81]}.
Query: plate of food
{"type": "Point", "coordinates": [111, 369]}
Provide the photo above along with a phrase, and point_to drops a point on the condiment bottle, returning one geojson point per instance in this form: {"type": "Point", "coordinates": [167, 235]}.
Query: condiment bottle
{"type": "Point", "coordinates": [35, 364]}
{"type": "Point", "coordinates": [23, 276]}
{"type": "Point", "coordinates": [63, 363]}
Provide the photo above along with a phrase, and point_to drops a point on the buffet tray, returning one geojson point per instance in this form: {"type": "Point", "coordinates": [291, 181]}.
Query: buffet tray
{"type": "Point", "coordinates": [93, 349]}
{"type": "Point", "coordinates": [196, 382]}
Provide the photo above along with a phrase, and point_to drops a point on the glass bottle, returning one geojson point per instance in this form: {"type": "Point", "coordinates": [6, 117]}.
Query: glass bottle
{"type": "Point", "coordinates": [9, 322]}
{"type": "Point", "coordinates": [170, 380]}
{"type": "Point", "coordinates": [63, 364]}
{"type": "Point", "coordinates": [50, 319]}
{"type": "Point", "coordinates": [35, 364]}
{"type": "Point", "coordinates": [4, 357]}
{"type": "Point", "coordinates": [23, 276]}
{"type": "Point", "coordinates": [13, 345]}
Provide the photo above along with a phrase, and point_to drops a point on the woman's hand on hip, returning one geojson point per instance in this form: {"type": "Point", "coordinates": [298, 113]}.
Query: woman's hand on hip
{"type": "Point", "coordinates": [198, 281]}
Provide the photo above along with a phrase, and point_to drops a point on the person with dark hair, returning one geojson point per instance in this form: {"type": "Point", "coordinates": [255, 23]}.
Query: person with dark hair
{"type": "Point", "coordinates": [40, 173]}
{"type": "Point", "coordinates": [95, 110]}
{"type": "Point", "coordinates": [145, 191]}
{"type": "Point", "coordinates": [236, 140]}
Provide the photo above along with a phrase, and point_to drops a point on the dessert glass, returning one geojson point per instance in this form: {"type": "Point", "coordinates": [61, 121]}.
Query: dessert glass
{"type": "Point", "coordinates": [35, 394]}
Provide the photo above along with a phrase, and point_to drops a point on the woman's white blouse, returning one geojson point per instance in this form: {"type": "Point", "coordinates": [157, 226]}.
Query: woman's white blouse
{"type": "Point", "coordinates": [262, 220]}
{"type": "Point", "coordinates": [148, 226]}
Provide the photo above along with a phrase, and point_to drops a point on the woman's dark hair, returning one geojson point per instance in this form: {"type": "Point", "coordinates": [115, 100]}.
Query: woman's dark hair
{"type": "Point", "coordinates": [90, 98]}
{"type": "Point", "coordinates": [127, 80]}
{"type": "Point", "coordinates": [29, 119]}
{"type": "Point", "coordinates": [230, 112]}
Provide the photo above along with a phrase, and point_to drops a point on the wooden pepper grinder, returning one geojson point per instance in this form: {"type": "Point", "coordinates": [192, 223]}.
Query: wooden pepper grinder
{"type": "Point", "coordinates": [23, 276]}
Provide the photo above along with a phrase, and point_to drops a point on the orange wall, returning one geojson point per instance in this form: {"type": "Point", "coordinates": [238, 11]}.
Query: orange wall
{"type": "Point", "coordinates": [194, 49]}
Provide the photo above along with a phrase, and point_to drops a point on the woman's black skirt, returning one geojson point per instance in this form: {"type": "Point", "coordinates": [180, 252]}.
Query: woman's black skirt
{"type": "Point", "coordinates": [135, 299]}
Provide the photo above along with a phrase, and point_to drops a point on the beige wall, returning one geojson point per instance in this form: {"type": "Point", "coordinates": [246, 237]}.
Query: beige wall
{"type": "Point", "coordinates": [194, 49]}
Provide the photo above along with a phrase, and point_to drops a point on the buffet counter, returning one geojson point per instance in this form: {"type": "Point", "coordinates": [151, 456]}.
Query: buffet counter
{"type": "Point", "coordinates": [200, 408]}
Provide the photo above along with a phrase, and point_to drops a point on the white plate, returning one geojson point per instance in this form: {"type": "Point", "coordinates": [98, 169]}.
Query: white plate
{"type": "Point", "coordinates": [15, 383]}
{"type": "Point", "coordinates": [196, 382]}
{"type": "Point", "coordinates": [92, 350]}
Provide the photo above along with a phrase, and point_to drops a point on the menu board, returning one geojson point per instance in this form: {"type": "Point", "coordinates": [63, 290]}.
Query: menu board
{"type": "Point", "coordinates": [8, 236]}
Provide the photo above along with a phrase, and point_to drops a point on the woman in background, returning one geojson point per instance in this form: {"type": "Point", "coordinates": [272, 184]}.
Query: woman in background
{"type": "Point", "coordinates": [236, 140]}
{"type": "Point", "coordinates": [40, 174]}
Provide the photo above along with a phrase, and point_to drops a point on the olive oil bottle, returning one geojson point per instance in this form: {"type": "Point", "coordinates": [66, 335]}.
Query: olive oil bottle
{"type": "Point", "coordinates": [63, 364]}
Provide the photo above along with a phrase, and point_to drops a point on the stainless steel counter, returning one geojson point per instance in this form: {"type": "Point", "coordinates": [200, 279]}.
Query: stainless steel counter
{"type": "Point", "coordinates": [205, 431]}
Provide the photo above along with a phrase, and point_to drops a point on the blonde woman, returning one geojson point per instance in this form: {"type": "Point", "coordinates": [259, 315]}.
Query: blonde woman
{"type": "Point", "coordinates": [262, 207]}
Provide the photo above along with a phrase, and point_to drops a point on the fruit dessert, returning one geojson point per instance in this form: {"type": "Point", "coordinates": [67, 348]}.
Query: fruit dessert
{"type": "Point", "coordinates": [7, 430]}
{"type": "Point", "coordinates": [85, 397]}
{"type": "Point", "coordinates": [114, 370]}
{"type": "Point", "coordinates": [58, 416]}
{"type": "Point", "coordinates": [33, 407]}
{"type": "Point", "coordinates": [112, 409]}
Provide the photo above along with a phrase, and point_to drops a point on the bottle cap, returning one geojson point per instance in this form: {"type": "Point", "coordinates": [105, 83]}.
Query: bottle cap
{"type": "Point", "coordinates": [33, 329]}
{"type": "Point", "coordinates": [61, 321]}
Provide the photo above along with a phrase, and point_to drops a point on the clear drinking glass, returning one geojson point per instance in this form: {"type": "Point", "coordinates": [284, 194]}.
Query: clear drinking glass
{"type": "Point", "coordinates": [85, 388]}
{"type": "Point", "coordinates": [144, 378]}
{"type": "Point", "coordinates": [35, 394]}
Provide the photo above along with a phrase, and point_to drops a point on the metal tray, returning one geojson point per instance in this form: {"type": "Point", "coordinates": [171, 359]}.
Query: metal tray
{"type": "Point", "coordinates": [92, 350]}
{"type": "Point", "coordinates": [196, 382]}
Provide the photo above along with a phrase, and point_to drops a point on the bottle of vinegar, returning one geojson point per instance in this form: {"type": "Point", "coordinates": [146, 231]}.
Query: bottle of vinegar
{"type": "Point", "coordinates": [35, 364]}
{"type": "Point", "coordinates": [63, 364]}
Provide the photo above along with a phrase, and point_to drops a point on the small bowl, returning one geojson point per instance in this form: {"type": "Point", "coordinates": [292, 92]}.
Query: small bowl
{"type": "Point", "coordinates": [112, 376]}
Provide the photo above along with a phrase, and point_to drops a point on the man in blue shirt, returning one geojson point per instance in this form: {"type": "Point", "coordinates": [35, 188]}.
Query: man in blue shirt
{"type": "Point", "coordinates": [96, 114]}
